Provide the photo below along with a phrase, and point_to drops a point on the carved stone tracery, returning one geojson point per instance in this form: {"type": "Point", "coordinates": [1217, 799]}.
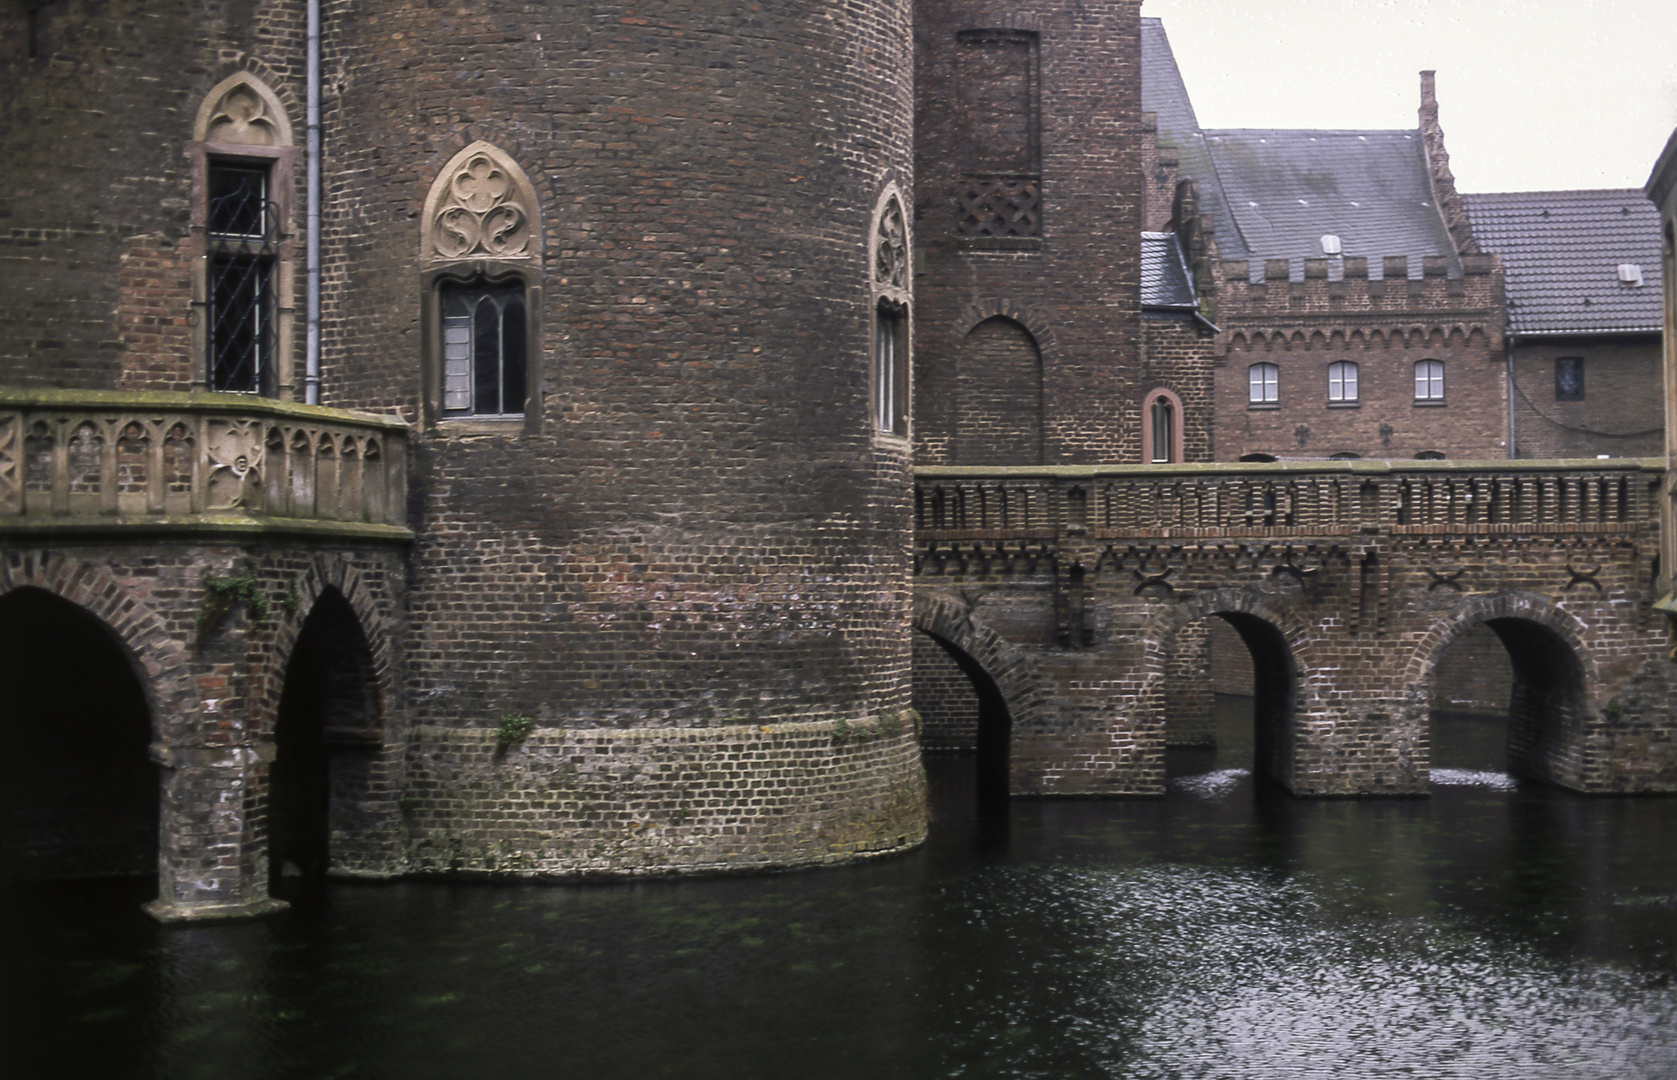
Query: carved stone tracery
{"type": "Point", "coordinates": [890, 266]}
{"type": "Point", "coordinates": [481, 207]}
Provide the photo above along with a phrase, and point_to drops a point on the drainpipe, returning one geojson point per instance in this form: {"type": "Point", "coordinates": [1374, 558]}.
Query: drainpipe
{"type": "Point", "coordinates": [1508, 355]}
{"type": "Point", "coordinates": [311, 370]}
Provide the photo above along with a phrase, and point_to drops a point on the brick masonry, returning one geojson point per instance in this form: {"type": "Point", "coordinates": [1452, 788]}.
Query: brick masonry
{"type": "Point", "coordinates": [1358, 604]}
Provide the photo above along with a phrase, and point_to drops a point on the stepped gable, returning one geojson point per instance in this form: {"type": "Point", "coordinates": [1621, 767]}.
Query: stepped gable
{"type": "Point", "coordinates": [1561, 252]}
{"type": "Point", "coordinates": [1286, 189]}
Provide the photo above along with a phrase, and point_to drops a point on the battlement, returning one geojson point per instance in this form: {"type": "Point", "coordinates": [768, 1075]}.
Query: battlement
{"type": "Point", "coordinates": [1348, 288]}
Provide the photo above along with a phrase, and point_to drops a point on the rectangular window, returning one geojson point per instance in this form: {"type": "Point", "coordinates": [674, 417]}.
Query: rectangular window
{"type": "Point", "coordinates": [890, 396]}
{"type": "Point", "coordinates": [242, 238]}
{"type": "Point", "coordinates": [1429, 380]}
{"type": "Point", "coordinates": [1569, 378]}
{"type": "Point", "coordinates": [483, 361]}
{"type": "Point", "coordinates": [1263, 384]}
{"type": "Point", "coordinates": [1342, 382]}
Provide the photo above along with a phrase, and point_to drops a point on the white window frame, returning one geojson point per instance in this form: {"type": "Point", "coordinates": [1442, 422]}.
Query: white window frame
{"type": "Point", "coordinates": [1429, 380]}
{"type": "Point", "coordinates": [1263, 384]}
{"type": "Point", "coordinates": [1342, 382]}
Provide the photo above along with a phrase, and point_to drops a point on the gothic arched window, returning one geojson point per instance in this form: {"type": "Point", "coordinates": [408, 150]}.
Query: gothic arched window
{"type": "Point", "coordinates": [889, 369]}
{"type": "Point", "coordinates": [481, 246]}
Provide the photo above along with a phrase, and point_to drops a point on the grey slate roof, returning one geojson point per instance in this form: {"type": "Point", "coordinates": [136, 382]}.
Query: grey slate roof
{"type": "Point", "coordinates": [1273, 194]}
{"type": "Point", "coordinates": [1165, 281]}
{"type": "Point", "coordinates": [1561, 252]}
{"type": "Point", "coordinates": [1286, 189]}
{"type": "Point", "coordinates": [1164, 94]}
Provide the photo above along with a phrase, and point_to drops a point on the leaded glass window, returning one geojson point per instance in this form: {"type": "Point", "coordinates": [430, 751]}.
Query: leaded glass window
{"type": "Point", "coordinates": [242, 236]}
{"type": "Point", "coordinates": [483, 343]}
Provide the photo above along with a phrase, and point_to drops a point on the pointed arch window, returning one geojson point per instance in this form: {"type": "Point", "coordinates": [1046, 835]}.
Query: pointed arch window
{"type": "Point", "coordinates": [482, 292]}
{"type": "Point", "coordinates": [243, 165]}
{"type": "Point", "coordinates": [888, 377]}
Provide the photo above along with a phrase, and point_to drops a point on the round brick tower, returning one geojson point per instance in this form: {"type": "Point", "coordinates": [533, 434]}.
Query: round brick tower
{"type": "Point", "coordinates": [639, 277]}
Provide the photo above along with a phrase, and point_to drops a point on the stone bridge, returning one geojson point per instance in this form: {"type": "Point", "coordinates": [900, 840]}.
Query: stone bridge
{"type": "Point", "coordinates": [1076, 600]}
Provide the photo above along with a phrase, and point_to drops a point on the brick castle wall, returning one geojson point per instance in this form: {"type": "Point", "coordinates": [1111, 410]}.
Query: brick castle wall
{"type": "Point", "coordinates": [1617, 416]}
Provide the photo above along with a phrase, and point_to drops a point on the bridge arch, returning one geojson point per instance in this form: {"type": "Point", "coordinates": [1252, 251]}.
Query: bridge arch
{"type": "Point", "coordinates": [333, 766]}
{"type": "Point", "coordinates": [1011, 693]}
{"type": "Point", "coordinates": [1274, 639]}
{"type": "Point", "coordinates": [1553, 672]}
{"type": "Point", "coordinates": [88, 679]}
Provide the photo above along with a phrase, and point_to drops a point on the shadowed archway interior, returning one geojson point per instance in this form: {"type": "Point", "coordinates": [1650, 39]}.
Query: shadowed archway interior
{"type": "Point", "coordinates": [994, 729]}
{"type": "Point", "coordinates": [78, 791]}
{"type": "Point", "coordinates": [327, 740]}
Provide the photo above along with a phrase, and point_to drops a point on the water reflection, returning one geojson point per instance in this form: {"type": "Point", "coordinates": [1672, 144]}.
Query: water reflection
{"type": "Point", "coordinates": [1223, 931]}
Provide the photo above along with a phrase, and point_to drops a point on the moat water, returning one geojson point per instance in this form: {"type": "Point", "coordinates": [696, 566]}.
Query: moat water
{"type": "Point", "coordinates": [1494, 930]}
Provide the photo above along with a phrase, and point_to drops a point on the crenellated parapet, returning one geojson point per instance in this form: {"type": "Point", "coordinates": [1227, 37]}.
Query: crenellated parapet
{"type": "Point", "coordinates": [1344, 299]}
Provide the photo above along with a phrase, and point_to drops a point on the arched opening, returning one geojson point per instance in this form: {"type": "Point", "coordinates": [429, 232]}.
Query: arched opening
{"type": "Point", "coordinates": [962, 710]}
{"type": "Point", "coordinates": [1229, 695]}
{"type": "Point", "coordinates": [328, 740]}
{"type": "Point", "coordinates": [998, 396]}
{"type": "Point", "coordinates": [79, 794]}
{"type": "Point", "coordinates": [1506, 696]}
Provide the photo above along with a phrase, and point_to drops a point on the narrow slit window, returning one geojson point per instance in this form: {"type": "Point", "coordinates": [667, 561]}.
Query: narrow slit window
{"type": "Point", "coordinates": [888, 374]}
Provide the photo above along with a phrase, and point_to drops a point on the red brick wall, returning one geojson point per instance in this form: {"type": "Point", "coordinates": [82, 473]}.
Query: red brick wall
{"type": "Point", "coordinates": [999, 396]}
{"type": "Point", "coordinates": [1621, 414]}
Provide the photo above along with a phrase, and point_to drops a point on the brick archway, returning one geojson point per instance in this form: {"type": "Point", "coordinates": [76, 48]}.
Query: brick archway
{"type": "Point", "coordinates": [1277, 643]}
{"type": "Point", "coordinates": [1550, 726]}
{"type": "Point", "coordinates": [1028, 699]}
{"type": "Point", "coordinates": [158, 660]}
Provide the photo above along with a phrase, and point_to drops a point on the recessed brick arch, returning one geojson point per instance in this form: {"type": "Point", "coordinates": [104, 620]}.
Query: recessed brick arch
{"type": "Point", "coordinates": [1280, 683]}
{"type": "Point", "coordinates": [1035, 323]}
{"type": "Point", "coordinates": [1550, 727]}
{"type": "Point", "coordinates": [159, 661]}
{"type": "Point", "coordinates": [1477, 609]}
{"type": "Point", "coordinates": [1029, 699]}
{"type": "Point", "coordinates": [340, 575]}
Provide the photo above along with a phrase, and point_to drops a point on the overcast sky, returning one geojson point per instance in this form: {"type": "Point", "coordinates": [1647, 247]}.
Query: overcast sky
{"type": "Point", "coordinates": [1534, 95]}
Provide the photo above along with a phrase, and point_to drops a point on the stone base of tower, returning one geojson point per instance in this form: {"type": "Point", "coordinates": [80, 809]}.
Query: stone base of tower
{"type": "Point", "coordinates": [620, 802]}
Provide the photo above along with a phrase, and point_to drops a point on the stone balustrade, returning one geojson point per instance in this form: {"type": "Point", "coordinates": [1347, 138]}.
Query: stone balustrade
{"type": "Point", "coordinates": [95, 460]}
{"type": "Point", "coordinates": [1328, 498]}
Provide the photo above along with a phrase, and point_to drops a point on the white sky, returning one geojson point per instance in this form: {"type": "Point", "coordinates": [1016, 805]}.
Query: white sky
{"type": "Point", "coordinates": [1533, 95]}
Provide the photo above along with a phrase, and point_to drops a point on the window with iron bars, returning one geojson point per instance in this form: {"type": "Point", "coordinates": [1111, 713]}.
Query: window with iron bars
{"type": "Point", "coordinates": [243, 234]}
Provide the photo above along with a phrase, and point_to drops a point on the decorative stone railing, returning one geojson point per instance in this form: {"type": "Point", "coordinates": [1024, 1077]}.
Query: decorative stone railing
{"type": "Point", "coordinates": [81, 460]}
{"type": "Point", "coordinates": [1330, 498]}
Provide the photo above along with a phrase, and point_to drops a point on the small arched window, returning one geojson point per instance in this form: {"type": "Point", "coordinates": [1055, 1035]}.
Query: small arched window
{"type": "Point", "coordinates": [1257, 458]}
{"type": "Point", "coordinates": [1345, 455]}
{"type": "Point", "coordinates": [1429, 380]}
{"type": "Point", "coordinates": [1263, 384]}
{"type": "Point", "coordinates": [1342, 383]}
{"type": "Point", "coordinates": [1430, 455]}
{"type": "Point", "coordinates": [1161, 427]}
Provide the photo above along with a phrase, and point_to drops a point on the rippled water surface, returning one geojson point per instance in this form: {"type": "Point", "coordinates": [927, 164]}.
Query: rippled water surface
{"type": "Point", "coordinates": [1493, 930]}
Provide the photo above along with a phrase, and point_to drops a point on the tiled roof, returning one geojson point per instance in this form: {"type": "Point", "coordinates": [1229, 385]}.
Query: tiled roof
{"type": "Point", "coordinates": [1561, 252]}
{"type": "Point", "coordinates": [1287, 189]}
{"type": "Point", "coordinates": [1165, 282]}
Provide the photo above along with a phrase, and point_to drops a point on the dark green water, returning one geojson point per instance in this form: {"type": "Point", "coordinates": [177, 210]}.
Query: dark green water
{"type": "Point", "coordinates": [1221, 932]}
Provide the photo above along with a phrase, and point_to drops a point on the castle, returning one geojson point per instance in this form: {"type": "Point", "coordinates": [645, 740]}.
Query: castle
{"type": "Point", "coordinates": [478, 438]}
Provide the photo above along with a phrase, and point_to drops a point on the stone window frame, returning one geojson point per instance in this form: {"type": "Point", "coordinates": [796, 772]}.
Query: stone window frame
{"type": "Point", "coordinates": [1156, 397]}
{"type": "Point", "coordinates": [1577, 365]}
{"type": "Point", "coordinates": [1337, 372]}
{"type": "Point", "coordinates": [1434, 390]}
{"type": "Point", "coordinates": [474, 263]}
{"type": "Point", "coordinates": [242, 122]}
{"type": "Point", "coordinates": [890, 310]}
{"type": "Point", "coordinates": [1270, 398]}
